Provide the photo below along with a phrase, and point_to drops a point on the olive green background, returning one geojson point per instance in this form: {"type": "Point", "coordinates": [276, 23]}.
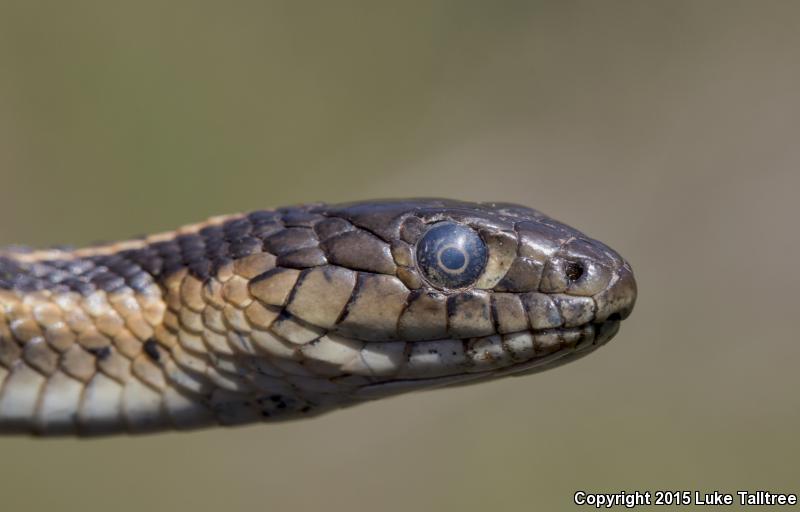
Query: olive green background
{"type": "Point", "coordinates": [667, 129]}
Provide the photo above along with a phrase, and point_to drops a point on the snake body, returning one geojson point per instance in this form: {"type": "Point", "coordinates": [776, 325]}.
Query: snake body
{"type": "Point", "coordinates": [288, 313]}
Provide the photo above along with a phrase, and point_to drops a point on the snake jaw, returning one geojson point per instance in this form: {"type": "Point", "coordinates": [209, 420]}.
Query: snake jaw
{"type": "Point", "coordinates": [518, 357]}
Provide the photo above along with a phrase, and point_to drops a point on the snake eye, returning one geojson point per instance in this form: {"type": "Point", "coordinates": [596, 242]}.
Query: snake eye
{"type": "Point", "coordinates": [451, 255]}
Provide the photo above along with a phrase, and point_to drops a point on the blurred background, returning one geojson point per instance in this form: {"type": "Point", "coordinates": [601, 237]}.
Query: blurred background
{"type": "Point", "coordinates": [669, 130]}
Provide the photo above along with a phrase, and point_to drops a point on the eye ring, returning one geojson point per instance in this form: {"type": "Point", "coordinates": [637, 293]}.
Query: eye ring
{"type": "Point", "coordinates": [451, 255]}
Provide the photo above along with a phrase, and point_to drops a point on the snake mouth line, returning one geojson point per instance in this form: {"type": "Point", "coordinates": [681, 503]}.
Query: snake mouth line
{"type": "Point", "coordinates": [599, 332]}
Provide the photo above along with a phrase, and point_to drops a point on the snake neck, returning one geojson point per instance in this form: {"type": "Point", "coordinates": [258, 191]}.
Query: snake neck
{"type": "Point", "coordinates": [139, 335]}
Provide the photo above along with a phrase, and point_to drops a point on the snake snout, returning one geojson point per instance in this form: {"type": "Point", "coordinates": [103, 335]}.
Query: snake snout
{"type": "Point", "coordinates": [616, 301]}
{"type": "Point", "coordinates": [586, 268]}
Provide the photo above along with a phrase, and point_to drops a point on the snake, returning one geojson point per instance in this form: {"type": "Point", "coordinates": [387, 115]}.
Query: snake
{"type": "Point", "coordinates": [291, 312]}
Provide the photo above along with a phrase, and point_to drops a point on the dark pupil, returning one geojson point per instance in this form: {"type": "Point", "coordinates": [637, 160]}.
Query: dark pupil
{"type": "Point", "coordinates": [452, 258]}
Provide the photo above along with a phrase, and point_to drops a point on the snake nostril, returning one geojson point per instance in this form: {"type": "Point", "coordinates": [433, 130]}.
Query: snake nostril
{"type": "Point", "coordinates": [614, 317]}
{"type": "Point", "coordinates": [574, 270]}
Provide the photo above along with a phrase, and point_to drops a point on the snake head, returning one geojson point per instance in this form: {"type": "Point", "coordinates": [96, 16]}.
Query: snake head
{"type": "Point", "coordinates": [430, 292]}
